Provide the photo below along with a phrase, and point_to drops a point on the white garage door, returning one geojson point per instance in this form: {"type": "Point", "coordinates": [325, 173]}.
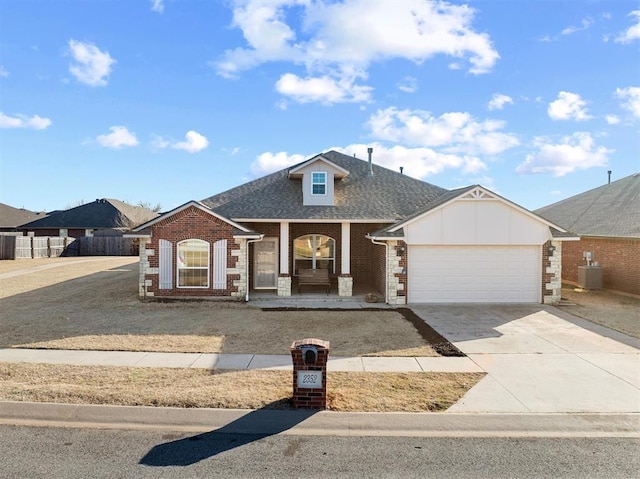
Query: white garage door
{"type": "Point", "coordinates": [474, 274]}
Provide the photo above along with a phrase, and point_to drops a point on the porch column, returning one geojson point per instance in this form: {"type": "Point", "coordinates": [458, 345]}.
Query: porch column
{"type": "Point", "coordinates": [345, 280]}
{"type": "Point", "coordinates": [284, 278]}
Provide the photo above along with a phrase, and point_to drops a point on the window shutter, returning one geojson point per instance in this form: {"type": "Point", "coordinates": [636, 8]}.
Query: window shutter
{"type": "Point", "coordinates": [165, 260]}
{"type": "Point", "coordinates": [220, 264]}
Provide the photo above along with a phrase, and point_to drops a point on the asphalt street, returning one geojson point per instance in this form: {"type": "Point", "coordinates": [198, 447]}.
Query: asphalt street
{"type": "Point", "coordinates": [37, 452]}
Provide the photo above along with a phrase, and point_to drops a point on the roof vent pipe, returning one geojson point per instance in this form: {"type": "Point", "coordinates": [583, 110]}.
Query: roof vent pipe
{"type": "Point", "coordinates": [609, 173]}
{"type": "Point", "coordinates": [401, 169]}
{"type": "Point", "coordinates": [370, 151]}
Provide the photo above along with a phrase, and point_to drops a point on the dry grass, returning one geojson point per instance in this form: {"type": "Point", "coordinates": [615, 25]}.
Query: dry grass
{"type": "Point", "coordinates": [162, 343]}
{"type": "Point", "coordinates": [79, 303]}
{"type": "Point", "coordinates": [380, 392]}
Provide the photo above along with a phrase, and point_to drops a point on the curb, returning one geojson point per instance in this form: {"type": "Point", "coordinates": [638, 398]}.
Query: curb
{"type": "Point", "coordinates": [319, 423]}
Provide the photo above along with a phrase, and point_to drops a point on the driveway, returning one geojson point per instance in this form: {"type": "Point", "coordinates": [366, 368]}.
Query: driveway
{"type": "Point", "coordinates": [540, 359]}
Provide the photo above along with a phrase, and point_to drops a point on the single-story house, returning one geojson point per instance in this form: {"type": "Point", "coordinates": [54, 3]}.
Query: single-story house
{"type": "Point", "coordinates": [607, 219]}
{"type": "Point", "coordinates": [366, 225]}
{"type": "Point", "coordinates": [102, 216]}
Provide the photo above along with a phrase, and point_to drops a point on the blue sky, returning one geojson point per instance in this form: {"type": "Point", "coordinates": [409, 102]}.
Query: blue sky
{"type": "Point", "coordinates": [167, 101]}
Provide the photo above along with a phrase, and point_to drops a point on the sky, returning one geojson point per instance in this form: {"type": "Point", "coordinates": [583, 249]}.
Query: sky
{"type": "Point", "coordinates": [161, 102]}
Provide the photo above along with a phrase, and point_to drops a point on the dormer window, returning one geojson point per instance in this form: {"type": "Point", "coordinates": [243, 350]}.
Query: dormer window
{"type": "Point", "coordinates": [319, 183]}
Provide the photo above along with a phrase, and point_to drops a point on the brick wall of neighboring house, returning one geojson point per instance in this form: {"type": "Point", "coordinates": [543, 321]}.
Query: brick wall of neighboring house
{"type": "Point", "coordinates": [192, 223]}
{"type": "Point", "coordinates": [618, 257]}
{"type": "Point", "coordinates": [72, 233]}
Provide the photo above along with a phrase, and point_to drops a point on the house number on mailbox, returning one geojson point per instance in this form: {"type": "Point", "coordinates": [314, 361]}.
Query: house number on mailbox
{"type": "Point", "coordinates": [310, 379]}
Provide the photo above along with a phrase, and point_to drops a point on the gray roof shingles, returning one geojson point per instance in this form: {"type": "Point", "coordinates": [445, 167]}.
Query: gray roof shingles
{"type": "Point", "coordinates": [11, 217]}
{"type": "Point", "coordinates": [386, 195]}
{"type": "Point", "coordinates": [611, 210]}
{"type": "Point", "coordinates": [107, 213]}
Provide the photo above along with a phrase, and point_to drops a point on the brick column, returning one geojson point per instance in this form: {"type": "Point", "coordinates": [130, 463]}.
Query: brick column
{"type": "Point", "coordinates": [309, 357]}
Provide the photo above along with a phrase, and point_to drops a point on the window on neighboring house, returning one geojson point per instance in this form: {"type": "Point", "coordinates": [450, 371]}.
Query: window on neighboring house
{"type": "Point", "coordinates": [314, 252]}
{"type": "Point", "coordinates": [319, 183]}
{"type": "Point", "coordinates": [193, 264]}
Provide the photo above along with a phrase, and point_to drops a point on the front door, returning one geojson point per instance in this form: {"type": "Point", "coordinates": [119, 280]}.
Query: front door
{"type": "Point", "coordinates": [265, 264]}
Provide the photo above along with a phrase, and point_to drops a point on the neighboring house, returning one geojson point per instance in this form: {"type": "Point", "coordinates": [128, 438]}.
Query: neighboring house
{"type": "Point", "coordinates": [607, 219]}
{"type": "Point", "coordinates": [370, 227]}
{"type": "Point", "coordinates": [11, 218]}
{"type": "Point", "coordinates": [102, 215]}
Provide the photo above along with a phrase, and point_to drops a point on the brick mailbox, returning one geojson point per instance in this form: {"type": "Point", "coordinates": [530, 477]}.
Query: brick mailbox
{"type": "Point", "coordinates": [309, 358]}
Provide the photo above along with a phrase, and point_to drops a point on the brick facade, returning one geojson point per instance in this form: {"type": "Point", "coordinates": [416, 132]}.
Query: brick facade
{"type": "Point", "coordinates": [191, 223]}
{"type": "Point", "coordinates": [618, 257]}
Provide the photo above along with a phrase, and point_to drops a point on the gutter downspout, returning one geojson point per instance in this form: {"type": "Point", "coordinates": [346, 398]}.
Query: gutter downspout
{"type": "Point", "coordinates": [386, 265]}
{"type": "Point", "coordinates": [247, 268]}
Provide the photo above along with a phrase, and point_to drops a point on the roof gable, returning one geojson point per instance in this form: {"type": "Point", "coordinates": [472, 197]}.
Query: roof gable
{"type": "Point", "coordinates": [610, 210]}
{"type": "Point", "coordinates": [239, 229]}
{"type": "Point", "coordinates": [318, 161]}
{"type": "Point", "coordinates": [474, 215]}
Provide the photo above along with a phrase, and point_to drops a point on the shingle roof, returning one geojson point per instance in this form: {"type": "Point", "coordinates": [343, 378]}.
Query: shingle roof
{"type": "Point", "coordinates": [104, 213]}
{"type": "Point", "coordinates": [11, 217]}
{"type": "Point", "coordinates": [609, 210]}
{"type": "Point", "coordinates": [385, 196]}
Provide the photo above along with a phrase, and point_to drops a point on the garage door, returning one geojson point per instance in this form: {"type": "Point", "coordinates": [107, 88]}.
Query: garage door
{"type": "Point", "coordinates": [474, 274]}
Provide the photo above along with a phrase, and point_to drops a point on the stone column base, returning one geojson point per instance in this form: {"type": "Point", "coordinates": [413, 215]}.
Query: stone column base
{"type": "Point", "coordinates": [345, 286]}
{"type": "Point", "coordinates": [284, 285]}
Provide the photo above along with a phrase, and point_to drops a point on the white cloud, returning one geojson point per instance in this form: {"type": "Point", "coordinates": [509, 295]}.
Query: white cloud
{"type": "Point", "coordinates": [194, 142]}
{"type": "Point", "coordinates": [408, 84]}
{"type": "Point", "coordinates": [3, 73]}
{"type": "Point", "coordinates": [630, 99]}
{"type": "Point", "coordinates": [568, 106]}
{"type": "Point", "coordinates": [453, 132]}
{"type": "Point", "coordinates": [575, 152]}
{"type": "Point", "coordinates": [157, 6]}
{"type": "Point", "coordinates": [339, 40]}
{"type": "Point", "coordinates": [633, 32]}
{"type": "Point", "coordinates": [34, 122]}
{"type": "Point", "coordinates": [120, 136]}
{"type": "Point", "coordinates": [322, 89]}
{"type": "Point", "coordinates": [498, 101]}
{"type": "Point", "coordinates": [269, 162]}
{"type": "Point", "coordinates": [92, 66]}
{"type": "Point", "coordinates": [416, 162]}
{"type": "Point", "coordinates": [612, 119]}
{"type": "Point", "coordinates": [584, 24]}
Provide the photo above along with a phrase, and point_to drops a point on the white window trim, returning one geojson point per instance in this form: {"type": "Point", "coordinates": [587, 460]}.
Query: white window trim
{"type": "Point", "coordinates": [324, 183]}
{"type": "Point", "coordinates": [179, 268]}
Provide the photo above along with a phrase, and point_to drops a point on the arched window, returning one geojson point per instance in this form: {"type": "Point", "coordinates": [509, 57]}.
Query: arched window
{"type": "Point", "coordinates": [193, 264]}
{"type": "Point", "coordinates": [314, 251]}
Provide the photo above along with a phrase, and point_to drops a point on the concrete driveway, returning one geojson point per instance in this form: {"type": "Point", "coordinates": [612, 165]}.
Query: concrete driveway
{"type": "Point", "coordinates": [540, 359]}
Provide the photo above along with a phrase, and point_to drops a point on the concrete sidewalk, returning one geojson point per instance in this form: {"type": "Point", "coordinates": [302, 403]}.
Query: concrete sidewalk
{"type": "Point", "coordinates": [233, 361]}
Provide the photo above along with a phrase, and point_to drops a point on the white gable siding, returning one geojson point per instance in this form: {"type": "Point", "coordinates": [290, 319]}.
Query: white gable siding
{"type": "Point", "coordinates": [477, 222]}
{"type": "Point", "coordinates": [165, 260]}
{"type": "Point", "coordinates": [220, 264]}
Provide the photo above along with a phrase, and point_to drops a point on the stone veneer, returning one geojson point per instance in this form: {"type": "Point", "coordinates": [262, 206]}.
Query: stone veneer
{"type": "Point", "coordinates": [345, 285]}
{"type": "Point", "coordinates": [284, 285]}
{"type": "Point", "coordinates": [394, 285]}
{"type": "Point", "coordinates": [553, 275]}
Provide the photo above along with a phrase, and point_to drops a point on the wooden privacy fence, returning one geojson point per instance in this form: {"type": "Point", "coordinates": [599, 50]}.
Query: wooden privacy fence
{"type": "Point", "coordinates": [19, 247]}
